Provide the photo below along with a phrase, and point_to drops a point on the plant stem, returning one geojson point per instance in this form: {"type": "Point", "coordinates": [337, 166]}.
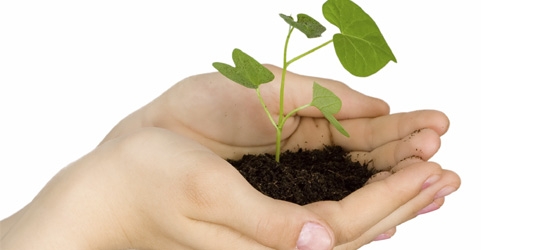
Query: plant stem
{"type": "Point", "coordinates": [278, 145]}
{"type": "Point", "coordinates": [283, 77]}
{"type": "Point", "coordinates": [282, 118]}
{"type": "Point", "coordinates": [280, 129]}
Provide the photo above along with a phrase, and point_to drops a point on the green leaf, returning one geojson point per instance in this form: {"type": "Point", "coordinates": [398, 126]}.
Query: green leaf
{"type": "Point", "coordinates": [329, 104]}
{"type": "Point", "coordinates": [306, 24]}
{"type": "Point", "coordinates": [360, 46]}
{"type": "Point", "coordinates": [247, 71]}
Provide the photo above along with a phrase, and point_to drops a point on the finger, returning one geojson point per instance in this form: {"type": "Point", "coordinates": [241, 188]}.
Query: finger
{"type": "Point", "coordinates": [313, 134]}
{"type": "Point", "coordinates": [386, 235]}
{"type": "Point", "coordinates": [435, 205]}
{"type": "Point", "coordinates": [367, 134]}
{"type": "Point", "coordinates": [421, 144]}
{"type": "Point", "coordinates": [366, 207]}
{"type": "Point", "coordinates": [299, 91]}
{"type": "Point", "coordinates": [429, 199]}
{"type": "Point", "coordinates": [353, 245]}
{"type": "Point", "coordinates": [378, 177]}
{"type": "Point", "coordinates": [387, 173]}
{"type": "Point", "coordinates": [406, 162]}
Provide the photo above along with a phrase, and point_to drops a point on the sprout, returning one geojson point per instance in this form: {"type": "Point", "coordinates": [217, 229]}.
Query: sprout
{"type": "Point", "coordinates": [360, 47]}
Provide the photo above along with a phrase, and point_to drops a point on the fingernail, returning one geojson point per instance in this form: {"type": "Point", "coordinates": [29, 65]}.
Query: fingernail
{"type": "Point", "coordinates": [444, 192]}
{"type": "Point", "coordinates": [382, 237]}
{"type": "Point", "coordinates": [431, 180]}
{"type": "Point", "coordinates": [314, 237]}
{"type": "Point", "coordinates": [428, 208]}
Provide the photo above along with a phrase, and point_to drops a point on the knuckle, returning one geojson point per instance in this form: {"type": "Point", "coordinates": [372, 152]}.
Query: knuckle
{"type": "Point", "coordinates": [268, 231]}
{"type": "Point", "coordinates": [143, 140]}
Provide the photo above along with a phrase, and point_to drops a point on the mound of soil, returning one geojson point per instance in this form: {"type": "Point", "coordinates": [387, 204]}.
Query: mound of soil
{"type": "Point", "coordinates": [305, 176]}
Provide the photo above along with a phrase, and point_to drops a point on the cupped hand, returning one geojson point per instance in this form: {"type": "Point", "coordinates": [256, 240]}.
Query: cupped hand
{"type": "Point", "coordinates": [159, 180]}
{"type": "Point", "coordinates": [229, 119]}
{"type": "Point", "coordinates": [155, 189]}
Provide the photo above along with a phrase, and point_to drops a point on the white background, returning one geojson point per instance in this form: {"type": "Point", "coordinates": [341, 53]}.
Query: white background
{"type": "Point", "coordinates": [70, 71]}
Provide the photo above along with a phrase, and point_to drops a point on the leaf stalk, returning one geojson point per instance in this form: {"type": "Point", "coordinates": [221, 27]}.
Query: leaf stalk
{"type": "Point", "coordinates": [309, 52]}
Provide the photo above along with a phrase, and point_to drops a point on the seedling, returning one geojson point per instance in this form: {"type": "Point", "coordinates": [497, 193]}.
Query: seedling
{"type": "Point", "coordinates": [360, 47]}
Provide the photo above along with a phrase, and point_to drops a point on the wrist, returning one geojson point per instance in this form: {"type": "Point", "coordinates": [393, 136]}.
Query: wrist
{"type": "Point", "coordinates": [60, 217]}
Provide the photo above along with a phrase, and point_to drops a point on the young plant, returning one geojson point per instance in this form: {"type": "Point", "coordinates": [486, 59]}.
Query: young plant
{"type": "Point", "coordinates": [360, 47]}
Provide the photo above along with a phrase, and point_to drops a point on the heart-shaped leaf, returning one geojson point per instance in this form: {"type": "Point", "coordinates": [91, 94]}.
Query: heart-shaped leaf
{"type": "Point", "coordinates": [360, 46]}
{"type": "Point", "coordinates": [306, 24]}
{"type": "Point", "coordinates": [247, 71]}
{"type": "Point", "coordinates": [329, 104]}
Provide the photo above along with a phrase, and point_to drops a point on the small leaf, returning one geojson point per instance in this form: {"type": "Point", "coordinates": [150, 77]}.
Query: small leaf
{"type": "Point", "coordinates": [361, 48]}
{"type": "Point", "coordinates": [306, 24]}
{"type": "Point", "coordinates": [247, 71]}
{"type": "Point", "coordinates": [329, 104]}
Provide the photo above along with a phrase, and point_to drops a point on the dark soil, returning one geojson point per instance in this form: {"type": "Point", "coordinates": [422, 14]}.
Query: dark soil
{"type": "Point", "coordinates": [304, 177]}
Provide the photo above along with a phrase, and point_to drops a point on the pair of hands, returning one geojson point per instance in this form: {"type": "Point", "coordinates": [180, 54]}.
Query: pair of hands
{"type": "Point", "coordinates": [159, 179]}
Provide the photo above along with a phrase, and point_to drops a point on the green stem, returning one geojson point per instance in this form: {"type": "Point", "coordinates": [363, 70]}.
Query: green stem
{"type": "Point", "coordinates": [280, 122]}
{"type": "Point", "coordinates": [265, 107]}
{"type": "Point", "coordinates": [294, 112]}
{"type": "Point", "coordinates": [280, 130]}
{"type": "Point", "coordinates": [278, 145]}
{"type": "Point", "coordinates": [282, 118]}
{"type": "Point", "coordinates": [308, 52]}
{"type": "Point", "coordinates": [283, 76]}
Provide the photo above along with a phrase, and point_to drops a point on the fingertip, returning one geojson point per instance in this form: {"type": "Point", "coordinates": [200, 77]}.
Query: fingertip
{"type": "Point", "coordinates": [358, 105]}
{"type": "Point", "coordinates": [384, 106]}
{"type": "Point", "coordinates": [441, 121]}
{"type": "Point", "coordinates": [386, 235]}
{"type": "Point", "coordinates": [426, 144]}
{"type": "Point", "coordinates": [431, 207]}
{"type": "Point", "coordinates": [423, 119]}
{"type": "Point", "coordinates": [315, 236]}
{"type": "Point", "coordinates": [455, 177]}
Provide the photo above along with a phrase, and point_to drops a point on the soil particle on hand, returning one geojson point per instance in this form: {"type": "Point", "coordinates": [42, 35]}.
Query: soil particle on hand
{"type": "Point", "coordinates": [304, 176]}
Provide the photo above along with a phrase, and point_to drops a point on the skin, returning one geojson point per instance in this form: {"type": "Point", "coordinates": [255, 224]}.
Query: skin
{"type": "Point", "coordinates": [159, 180]}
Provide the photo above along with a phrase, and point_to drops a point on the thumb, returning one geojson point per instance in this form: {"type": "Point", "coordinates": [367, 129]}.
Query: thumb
{"type": "Point", "coordinates": [282, 225]}
{"type": "Point", "coordinates": [185, 196]}
{"type": "Point", "coordinates": [242, 210]}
